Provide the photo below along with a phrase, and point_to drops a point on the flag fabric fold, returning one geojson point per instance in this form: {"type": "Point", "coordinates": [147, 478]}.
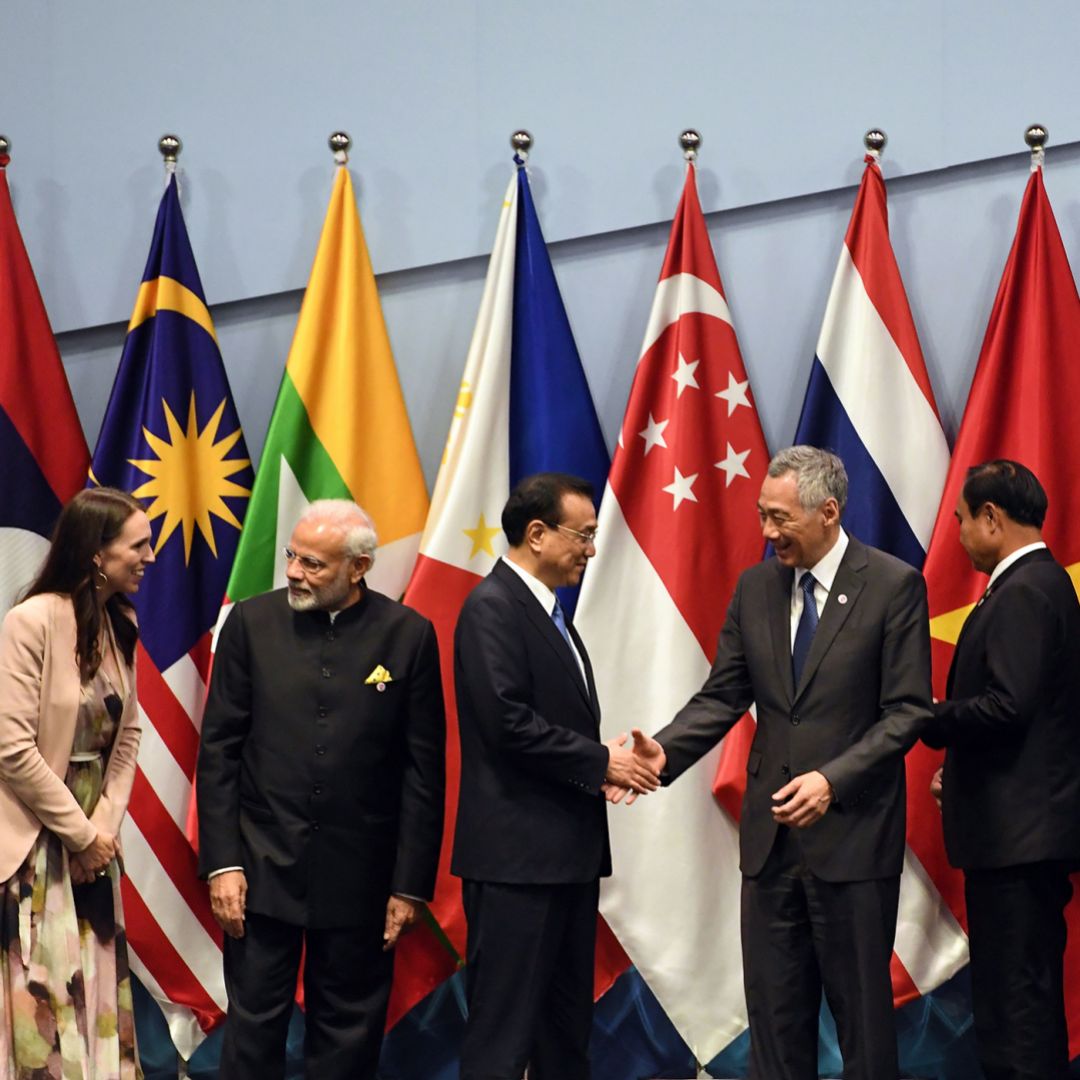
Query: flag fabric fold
{"type": "Point", "coordinates": [171, 436]}
{"type": "Point", "coordinates": [339, 428]}
{"type": "Point", "coordinates": [677, 524]}
{"type": "Point", "coordinates": [1021, 406]}
{"type": "Point", "coordinates": [523, 406]}
{"type": "Point", "coordinates": [41, 441]}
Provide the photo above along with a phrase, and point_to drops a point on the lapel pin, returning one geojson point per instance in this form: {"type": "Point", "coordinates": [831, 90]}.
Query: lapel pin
{"type": "Point", "coordinates": [381, 687]}
{"type": "Point", "coordinates": [842, 598]}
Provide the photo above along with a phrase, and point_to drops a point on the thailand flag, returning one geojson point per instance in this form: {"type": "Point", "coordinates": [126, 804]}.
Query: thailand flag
{"type": "Point", "coordinates": [870, 401]}
{"type": "Point", "coordinates": [41, 441]}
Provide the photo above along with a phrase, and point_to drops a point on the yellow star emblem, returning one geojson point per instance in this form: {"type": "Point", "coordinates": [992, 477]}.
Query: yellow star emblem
{"type": "Point", "coordinates": [481, 538]}
{"type": "Point", "coordinates": [947, 626]}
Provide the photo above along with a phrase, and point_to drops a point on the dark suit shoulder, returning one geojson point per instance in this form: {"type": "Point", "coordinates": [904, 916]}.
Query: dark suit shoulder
{"type": "Point", "coordinates": [881, 563]}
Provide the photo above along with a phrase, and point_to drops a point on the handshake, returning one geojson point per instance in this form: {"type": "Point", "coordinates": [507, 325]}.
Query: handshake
{"type": "Point", "coordinates": [632, 770]}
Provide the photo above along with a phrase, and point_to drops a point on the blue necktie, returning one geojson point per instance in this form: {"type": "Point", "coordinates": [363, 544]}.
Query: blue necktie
{"type": "Point", "coordinates": [804, 632]}
{"type": "Point", "coordinates": [559, 619]}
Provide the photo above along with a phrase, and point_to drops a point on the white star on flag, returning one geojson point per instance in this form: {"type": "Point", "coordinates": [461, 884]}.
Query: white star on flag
{"type": "Point", "coordinates": [735, 394]}
{"type": "Point", "coordinates": [684, 375]}
{"type": "Point", "coordinates": [654, 433]}
{"type": "Point", "coordinates": [733, 464]}
{"type": "Point", "coordinates": [682, 488]}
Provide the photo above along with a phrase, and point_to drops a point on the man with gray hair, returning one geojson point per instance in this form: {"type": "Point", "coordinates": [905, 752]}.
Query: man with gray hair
{"type": "Point", "coordinates": [320, 790]}
{"type": "Point", "coordinates": [830, 638]}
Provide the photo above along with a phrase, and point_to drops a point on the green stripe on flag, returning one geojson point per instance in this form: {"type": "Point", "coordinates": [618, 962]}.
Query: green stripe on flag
{"type": "Point", "coordinates": [291, 437]}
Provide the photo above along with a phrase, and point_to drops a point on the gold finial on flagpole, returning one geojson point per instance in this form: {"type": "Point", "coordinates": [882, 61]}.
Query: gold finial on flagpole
{"type": "Point", "coordinates": [1037, 137]}
{"type": "Point", "coordinates": [690, 141]}
{"type": "Point", "coordinates": [169, 146]}
{"type": "Point", "coordinates": [5, 151]}
{"type": "Point", "coordinates": [522, 142]}
{"type": "Point", "coordinates": [874, 141]}
{"type": "Point", "coordinates": [340, 143]}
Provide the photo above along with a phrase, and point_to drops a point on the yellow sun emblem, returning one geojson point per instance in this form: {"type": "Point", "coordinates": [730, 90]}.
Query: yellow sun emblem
{"type": "Point", "coordinates": [190, 477]}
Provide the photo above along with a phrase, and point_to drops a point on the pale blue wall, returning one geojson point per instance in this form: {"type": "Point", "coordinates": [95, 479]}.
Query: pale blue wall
{"type": "Point", "coordinates": [782, 93]}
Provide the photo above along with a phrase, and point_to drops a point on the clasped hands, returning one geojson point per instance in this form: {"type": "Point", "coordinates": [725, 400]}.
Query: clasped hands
{"type": "Point", "coordinates": [93, 860]}
{"type": "Point", "coordinates": [632, 770]}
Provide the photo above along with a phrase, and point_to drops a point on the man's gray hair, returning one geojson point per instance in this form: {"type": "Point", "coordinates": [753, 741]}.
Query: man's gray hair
{"type": "Point", "coordinates": [353, 520]}
{"type": "Point", "coordinates": [819, 474]}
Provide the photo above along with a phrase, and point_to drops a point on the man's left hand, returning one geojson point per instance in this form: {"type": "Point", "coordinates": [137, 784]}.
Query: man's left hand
{"type": "Point", "coordinates": [401, 913]}
{"type": "Point", "coordinates": [802, 801]}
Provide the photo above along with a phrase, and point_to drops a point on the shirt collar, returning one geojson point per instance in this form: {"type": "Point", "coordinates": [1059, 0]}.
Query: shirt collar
{"type": "Point", "coordinates": [1016, 556]}
{"type": "Point", "coordinates": [824, 570]}
{"type": "Point", "coordinates": [545, 597]}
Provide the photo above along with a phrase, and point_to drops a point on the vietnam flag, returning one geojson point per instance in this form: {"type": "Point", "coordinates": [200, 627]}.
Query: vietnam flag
{"type": "Point", "coordinates": [1022, 406]}
{"type": "Point", "coordinates": [41, 441]}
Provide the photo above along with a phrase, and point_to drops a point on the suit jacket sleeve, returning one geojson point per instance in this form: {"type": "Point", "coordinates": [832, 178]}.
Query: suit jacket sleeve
{"type": "Point", "coordinates": [711, 713]}
{"type": "Point", "coordinates": [423, 781]}
{"type": "Point", "coordinates": [905, 696]}
{"type": "Point", "coordinates": [23, 643]}
{"type": "Point", "coordinates": [493, 665]}
{"type": "Point", "coordinates": [1019, 643]}
{"type": "Point", "coordinates": [226, 723]}
{"type": "Point", "coordinates": [120, 771]}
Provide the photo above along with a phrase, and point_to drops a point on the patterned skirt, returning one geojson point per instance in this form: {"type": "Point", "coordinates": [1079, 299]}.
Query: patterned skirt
{"type": "Point", "coordinates": [67, 1012]}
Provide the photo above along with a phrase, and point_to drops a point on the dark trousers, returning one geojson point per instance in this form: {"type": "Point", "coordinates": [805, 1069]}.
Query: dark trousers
{"type": "Point", "coordinates": [1016, 930]}
{"type": "Point", "coordinates": [801, 934]}
{"type": "Point", "coordinates": [529, 980]}
{"type": "Point", "coordinates": [346, 988]}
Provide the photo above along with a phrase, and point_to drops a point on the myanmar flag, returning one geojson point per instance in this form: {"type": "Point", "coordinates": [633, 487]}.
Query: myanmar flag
{"type": "Point", "coordinates": [339, 429]}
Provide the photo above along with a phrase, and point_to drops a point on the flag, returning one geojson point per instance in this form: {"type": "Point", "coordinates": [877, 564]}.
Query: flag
{"type": "Point", "coordinates": [677, 525]}
{"type": "Point", "coordinates": [523, 406]}
{"type": "Point", "coordinates": [869, 400]}
{"type": "Point", "coordinates": [339, 429]}
{"type": "Point", "coordinates": [41, 442]}
{"type": "Point", "coordinates": [1021, 406]}
{"type": "Point", "coordinates": [171, 436]}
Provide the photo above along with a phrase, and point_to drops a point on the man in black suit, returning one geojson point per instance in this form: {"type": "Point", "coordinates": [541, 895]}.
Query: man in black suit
{"type": "Point", "coordinates": [320, 792]}
{"type": "Point", "coordinates": [830, 639]}
{"type": "Point", "coordinates": [1010, 790]}
{"type": "Point", "coordinates": [531, 842]}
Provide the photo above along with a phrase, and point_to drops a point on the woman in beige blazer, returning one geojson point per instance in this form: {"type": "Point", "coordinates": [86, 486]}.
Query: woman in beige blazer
{"type": "Point", "coordinates": [69, 733]}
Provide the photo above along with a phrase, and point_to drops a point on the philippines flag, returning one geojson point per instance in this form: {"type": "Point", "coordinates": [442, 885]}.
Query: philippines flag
{"type": "Point", "coordinates": [171, 436]}
{"type": "Point", "coordinates": [677, 525]}
{"type": "Point", "coordinates": [41, 441]}
{"type": "Point", "coordinates": [524, 406]}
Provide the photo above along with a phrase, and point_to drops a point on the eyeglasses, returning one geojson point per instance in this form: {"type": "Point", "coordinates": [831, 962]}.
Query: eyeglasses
{"type": "Point", "coordinates": [586, 538]}
{"type": "Point", "coordinates": [308, 563]}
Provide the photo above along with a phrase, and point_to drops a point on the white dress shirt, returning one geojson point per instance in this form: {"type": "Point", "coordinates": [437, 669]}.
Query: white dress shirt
{"type": "Point", "coordinates": [824, 571]}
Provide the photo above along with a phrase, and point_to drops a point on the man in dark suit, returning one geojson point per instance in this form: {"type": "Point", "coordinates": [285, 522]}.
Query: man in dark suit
{"type": "Point", "coordinates": [830, 639]}
{"type": "Point", "coordinates": [531, 842]}
{"type": "Point", "coordinates": [320, 791]}
{"type": "Point", "coordinates": [1010, 790]}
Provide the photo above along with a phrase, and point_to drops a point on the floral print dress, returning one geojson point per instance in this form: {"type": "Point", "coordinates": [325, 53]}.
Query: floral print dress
{"type": "Point", "coordinates": [67, 1011]}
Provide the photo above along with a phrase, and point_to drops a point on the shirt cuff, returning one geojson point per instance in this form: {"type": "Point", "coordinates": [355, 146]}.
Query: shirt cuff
{"type": "Point", "coordinates": [224, 870]}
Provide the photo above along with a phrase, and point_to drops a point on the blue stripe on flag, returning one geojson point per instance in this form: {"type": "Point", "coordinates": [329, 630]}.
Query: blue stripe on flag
{"type": "Point", "coordinates": [28, 501]}
{"type": "Point", "coordinates": [872, 513]}
{"type": "Point", "coordinates": [553, 424]}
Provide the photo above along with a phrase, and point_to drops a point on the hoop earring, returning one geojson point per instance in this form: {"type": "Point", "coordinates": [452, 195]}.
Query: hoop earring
{"type": "Point", "coordinates": [102, 578]}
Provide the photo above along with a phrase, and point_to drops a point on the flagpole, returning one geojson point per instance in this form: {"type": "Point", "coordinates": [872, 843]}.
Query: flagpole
{"type": "Point", "coordinates": [169, 146]}
{"type": "Point", "coordinates": [5, 151]}
{"type": "Point", "coordinates": [874, 141]}
{"type": "Point", "coordinates": [1037, 137]}
{"type": "Point", "coordinates": [340, 143]}
{"type": "Point", "coordinates": [690, 141]}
